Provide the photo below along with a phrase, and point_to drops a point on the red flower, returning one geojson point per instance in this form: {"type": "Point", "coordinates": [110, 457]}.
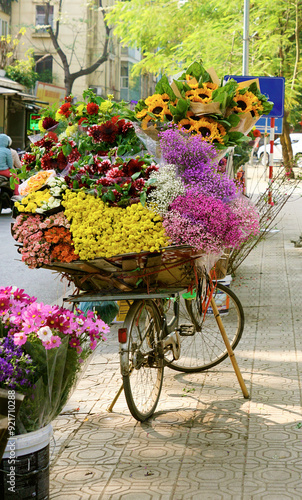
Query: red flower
{"type": "Point", "coordinates": [92, 108]}
{"type": "Point", "coordinates": [73, 156]}
{"type": "Point", "coordinates": [137, 186]}
{"type": "Point", "coordinates": [113, 173]}
{"type": "Point", "coordinates": [132, 167]}
{"type": "Point", "coordinates": [256, 133]}
{"type": "Point", "coordinates": [105, 182]}
{"type": "Point", "coordinates": [95, 132]}
{"type": "Point", "coordinates": [28, 159]}
{"type": "Point", "coordinates": [82, 120]}
{"type": "Point", "coordinates": [52, 136]}
{"type": "Point", "coordinates": [108, 131]}
{"type": "Point", "coordinates": [65, 109]}
{"type": "Point", "coordinates": [61, 161]}
{"type": "Point", "coordinates": [49, 122]}
{"type": "Point", "coordinates": [46, 161]}
{"type": "Point", "coordinates": [102, 167]}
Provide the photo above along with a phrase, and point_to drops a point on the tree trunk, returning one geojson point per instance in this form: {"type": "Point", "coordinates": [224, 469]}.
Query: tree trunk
{"type": "Point", "coordinates": [287, 151]}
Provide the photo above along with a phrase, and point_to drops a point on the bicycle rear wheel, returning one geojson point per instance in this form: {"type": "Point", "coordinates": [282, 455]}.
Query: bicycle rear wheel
{"type": "Point", "coordinates": [143, 383]}
{"type": "Point", "coordinates": [206, 348]}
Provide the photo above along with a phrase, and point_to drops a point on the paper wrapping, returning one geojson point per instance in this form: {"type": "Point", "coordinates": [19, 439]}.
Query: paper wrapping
{"type": "Point", "coordinates": [209, 108]}
{"type": "Point", "coordinates": [247, 122]}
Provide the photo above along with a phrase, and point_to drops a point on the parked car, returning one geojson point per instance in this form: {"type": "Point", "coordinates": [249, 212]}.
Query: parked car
{"type": "Point", "coordinates": [296, 140]}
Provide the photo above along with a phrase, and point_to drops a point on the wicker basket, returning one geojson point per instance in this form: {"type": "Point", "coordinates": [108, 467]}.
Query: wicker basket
{"type": "Point", "coordinates": [174, 267]}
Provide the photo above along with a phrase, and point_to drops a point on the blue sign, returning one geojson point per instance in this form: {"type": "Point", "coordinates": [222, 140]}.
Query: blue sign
{"type": "Point", "coordinates": [260, 124]}
{"type": "Point", "coordinates": [272, 87]}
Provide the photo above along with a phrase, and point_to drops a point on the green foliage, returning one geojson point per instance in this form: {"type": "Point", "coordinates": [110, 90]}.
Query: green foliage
{"type": "Point", "coordinates": [178, 33]}
{"type": "Point", "coordinates": [22, 71]}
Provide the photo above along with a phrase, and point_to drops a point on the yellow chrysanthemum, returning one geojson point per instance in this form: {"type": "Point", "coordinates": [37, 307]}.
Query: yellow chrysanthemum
{"type": "Point", "coordinates": [41, 126]}
{"type": "Point", "coordinates": [60, 117]}
{"type": "Point", "coordinates": [80, 109]}
{"type": "Point", "coordinates": [105, 106]}
{"type": "Point", "coordinates": [71, 130]}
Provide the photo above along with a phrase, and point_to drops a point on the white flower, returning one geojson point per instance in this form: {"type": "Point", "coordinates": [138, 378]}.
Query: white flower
{"type": "Point", "coordinates": [55, 191]}
{"type": "Point", "coordinates": [168, 187]}
{"type": "Point", "coordinates": [44, 333]}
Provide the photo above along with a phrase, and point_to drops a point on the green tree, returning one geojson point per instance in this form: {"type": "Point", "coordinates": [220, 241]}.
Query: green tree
{"type": "Point", "coordinates": [22, 71]}
{"type": "Point", "coordinates": [172, 34]}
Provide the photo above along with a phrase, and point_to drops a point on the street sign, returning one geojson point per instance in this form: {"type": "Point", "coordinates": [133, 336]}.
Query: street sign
{"type": "Point", "coordinates": [260, 124]}
{"type": "Point", "coordinates": [34, 121]}
{"type": "Point", "coordinates": [272, 87]}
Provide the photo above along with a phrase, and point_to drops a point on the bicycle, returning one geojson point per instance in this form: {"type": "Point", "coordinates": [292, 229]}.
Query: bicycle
{"type": "Point", "coordinates": [148, 342]}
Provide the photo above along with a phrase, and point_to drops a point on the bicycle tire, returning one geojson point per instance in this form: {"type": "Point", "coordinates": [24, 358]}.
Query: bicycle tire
{"type": "Point", "coordinates": [143, 383]}
{"type": "Point", "coordinates": [206, 349]}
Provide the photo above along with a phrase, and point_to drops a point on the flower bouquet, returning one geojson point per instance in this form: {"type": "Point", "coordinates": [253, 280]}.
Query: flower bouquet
{"type": "Point", "coordinates": [198, 104]}
{"type": "Point", "coordinates": [124, 222]}
{"type": "Point", "coordinates": [42, 352]}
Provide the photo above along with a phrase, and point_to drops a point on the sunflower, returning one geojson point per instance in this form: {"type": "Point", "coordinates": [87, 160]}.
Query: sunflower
{"type": "Point", "coordinates": [142, 113]}
{"type": "Point", "coordinates": [186, 124]}
{"type": "Point", "coordinates": [156, 107]}
{"type": "Point", "coordinates": [190, 94]}
{"type": "Point", "coordinates": [190, 115]}
{"type": "Point", "coordinates": [221, 129]}
{"type": "Point", "coordinates": [217, 138]}
{"type": "Point", "coordinates": [210, 85]}
{"type": "Point", "coordinates": [146, 121]}
{"type": "Point", "coordinates": [191, 81]}
{"type": "Point", "coordinates": [207, 127]}
{"type": "Point", "coordinates": [244, 102]}
{"type": "Point", "coordinates": [202, 95]}
{"type": "Point", "coordinates": [153, 99]}
{"type": "Point", "coordinates": [165, 97]}
{"type": "Point", "coordinates": [166, 114]}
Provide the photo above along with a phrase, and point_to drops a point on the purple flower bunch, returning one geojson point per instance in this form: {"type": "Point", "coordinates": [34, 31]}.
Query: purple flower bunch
{"type": "Point", "coordinates": [16, 367]}
{"type": "Point", "coordinates": [197, 163]}
{"type": "Point", "coordinates": [206, 223]}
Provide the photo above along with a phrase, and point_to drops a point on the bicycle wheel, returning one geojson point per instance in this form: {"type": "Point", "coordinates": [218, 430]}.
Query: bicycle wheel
{"type": "Point", "coordinates": [145, 365]}
{"type": "Point", "coordinates": [205, 348]}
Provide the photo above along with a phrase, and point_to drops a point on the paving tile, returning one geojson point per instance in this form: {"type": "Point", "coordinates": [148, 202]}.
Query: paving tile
{"type": "Point", "coordinates": [210, 444]}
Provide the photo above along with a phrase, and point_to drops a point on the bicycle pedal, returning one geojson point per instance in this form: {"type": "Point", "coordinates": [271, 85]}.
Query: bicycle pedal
{"type": "Point", "coordinates": [186, 330]}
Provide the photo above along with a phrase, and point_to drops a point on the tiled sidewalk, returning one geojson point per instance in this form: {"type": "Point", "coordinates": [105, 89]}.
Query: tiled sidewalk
{"type": "Point", "coordinates": [209, 443]}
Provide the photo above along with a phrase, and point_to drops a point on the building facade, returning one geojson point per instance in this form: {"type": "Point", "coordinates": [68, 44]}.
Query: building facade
{"type": "Point", "coordinates": [81, 37]}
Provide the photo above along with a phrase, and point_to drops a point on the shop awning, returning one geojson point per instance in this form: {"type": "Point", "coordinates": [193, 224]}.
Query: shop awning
{"type": "Point", "coordinates": [25, 97]}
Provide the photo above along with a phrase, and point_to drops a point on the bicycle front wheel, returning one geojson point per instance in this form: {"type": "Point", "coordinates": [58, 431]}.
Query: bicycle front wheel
{"type": "Point", "coordinates": [143, 383]}
{"type": "Point", "coordinates": [206, 348]}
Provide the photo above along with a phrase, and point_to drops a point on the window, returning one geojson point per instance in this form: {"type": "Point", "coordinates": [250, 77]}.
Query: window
{"type": "Point", "coordinates": [44, 68]}
{"type": "Point", "coordinates": [3, 28]}
{"type": "Point", "coordinates": [40, 17]}
{"type": "Point", "coordinates": [124, 75]}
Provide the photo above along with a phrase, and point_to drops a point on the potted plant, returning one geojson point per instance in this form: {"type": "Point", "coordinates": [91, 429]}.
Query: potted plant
{"type": "Point", "coordinates": [43, 350]}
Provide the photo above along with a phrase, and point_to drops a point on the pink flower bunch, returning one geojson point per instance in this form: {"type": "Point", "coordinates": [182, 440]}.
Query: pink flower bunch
{"type": "Point", "coordinates": [207, 223]}
{"type": "Point", "coordinates": [30, 321]}
{"type": "Point", "coordinates": [29, 231]}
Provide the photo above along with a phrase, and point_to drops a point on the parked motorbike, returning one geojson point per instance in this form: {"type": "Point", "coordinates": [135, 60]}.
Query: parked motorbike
{"type": "Point", "coordinates": [6, 194]}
